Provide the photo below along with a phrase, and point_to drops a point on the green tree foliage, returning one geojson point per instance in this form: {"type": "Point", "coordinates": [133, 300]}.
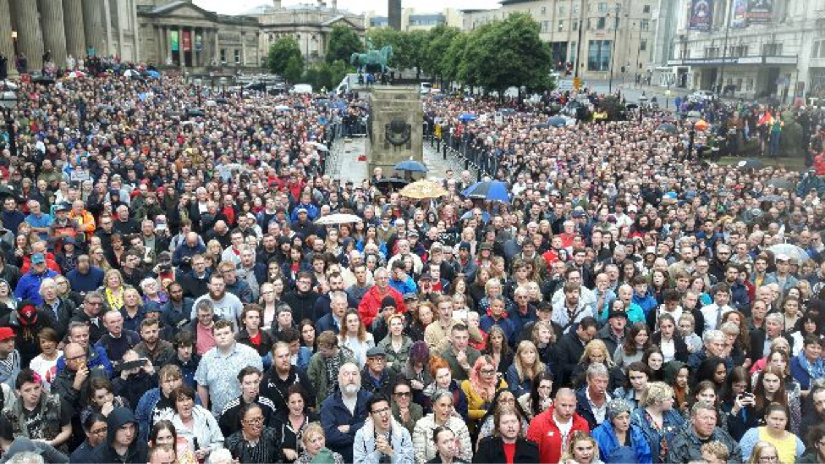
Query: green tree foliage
{"type": "Point", "coordinates": [293, 70]}
{"type": "Point", "coordinates": [324, 75]}
{"type": "Point", "coordinates": [451, 61]}
{"type": "Point", "coordinates": [439, 40]}
{"type": "Point", "coordinates": [343, 42]}
{"type": "Point", "coordinates": [281, 52]}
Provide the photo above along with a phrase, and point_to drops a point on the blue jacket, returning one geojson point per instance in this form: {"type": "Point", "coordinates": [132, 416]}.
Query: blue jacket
{"type": "Point", "coordinates": [672, 423]}
{"type": "Point", "coordinates": [312, 212]}
{"type": "Point", "coordinates": [304, 355]}
{"type": "Point", "coordinates": [609, 448]}
{"type": "Point", "coordinates": [28, 288]}
{"type": "Point", "coordinates": [739, 298]}
{"type": "Point", "coordinates": [143, 411]}
{"type": "Point", "coordinates": [515, 384]}
{"type": "Point", "coordinates": [407, 286]}
{"type": "Point", "coordinates": [799, 373]}
{"type": "Point", "coordinates": [97, 357]}
{"type": "Point", "coordinates": [326, 322]}
{"type": "Point", "coordinates": [86, 282]}
{"type": "Point", "coordinates": [183, 251]}
{"type": "Point", "coordinates": [487, 322]}
{"type": "Point", "coordinates": [647, 302]}
{"type": "Point", "coordinates": [335, 413]}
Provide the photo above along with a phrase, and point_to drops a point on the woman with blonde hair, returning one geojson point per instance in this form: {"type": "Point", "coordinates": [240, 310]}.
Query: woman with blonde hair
{"type": "Point", "coordinates": [354, 336]}
{"type": "Point", "coordinates": [97, 257]}
{"type": "Point", "coordinates": [480, 388]}
{"type": "Point", "coordinates": [314, 441]}
{"type": "Point", "coordinates": [581, 449]}
{"type": "Point", "coordinates": [764, 452]}
{"type": "Point", "coordinates": [526, 365]}
{"type": "Point", "coordinates": [113, 290]}
{"type": "Point", "coordinates": [544, 338]}
{"type": "Point", "coordinates": [657, 419]}
{"type": "Point", "coordinates": [596, 352]}
{"type": "Point", "coordinates": [443, 415]}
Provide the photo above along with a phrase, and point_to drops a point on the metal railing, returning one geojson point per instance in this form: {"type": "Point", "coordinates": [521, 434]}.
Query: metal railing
{"type": "Point", "coordinates": [469, 149]}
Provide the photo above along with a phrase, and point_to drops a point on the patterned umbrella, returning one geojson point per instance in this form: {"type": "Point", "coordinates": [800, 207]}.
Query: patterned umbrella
{"type": "Point", "coordinates": [423, 189]}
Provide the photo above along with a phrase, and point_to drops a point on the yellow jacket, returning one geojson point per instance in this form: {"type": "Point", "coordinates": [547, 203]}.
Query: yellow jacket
{"type": "Point", "coordinates": [477, 407]}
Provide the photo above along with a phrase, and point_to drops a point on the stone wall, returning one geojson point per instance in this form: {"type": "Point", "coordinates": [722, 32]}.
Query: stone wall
{"type": "Point", "coordinates": [395, 132]}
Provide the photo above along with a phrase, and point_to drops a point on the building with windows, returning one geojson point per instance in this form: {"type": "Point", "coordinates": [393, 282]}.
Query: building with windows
{"type": "Point", "coordinates": [751, 48]}
{"type": "Point", "coordinates": [412, 20]}
{"type": "Point", "coordinates": [181, 34]}
{"type": "Point", "coordinates": [587, 35]}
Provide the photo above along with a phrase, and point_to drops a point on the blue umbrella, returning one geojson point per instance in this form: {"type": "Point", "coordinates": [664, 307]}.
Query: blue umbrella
{"type": "Point", "coordinates": [153, 74]}
{"type": "Point", "coordinates": [491, 190]}
{"type": "Point", "coordinates": [557, 121]}
{"type": "Point", "coordinates": [467, 117]}
{"type": "Point", "coordinates": [411, 166]}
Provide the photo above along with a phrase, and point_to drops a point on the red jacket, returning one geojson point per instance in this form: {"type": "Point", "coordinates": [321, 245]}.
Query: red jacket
{"type": "Point", "coordinates": [370, 304]}
{"type": "Point", "coordinates": [544, 431]}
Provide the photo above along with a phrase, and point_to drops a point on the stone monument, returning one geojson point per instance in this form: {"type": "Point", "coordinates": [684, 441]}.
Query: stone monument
{"type": "Point", "coordinates": [395, 127]}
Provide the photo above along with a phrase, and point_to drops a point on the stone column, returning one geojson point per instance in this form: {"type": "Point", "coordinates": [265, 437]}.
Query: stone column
{"type": "Point", "coordinates": [107, 20]}
{"type": "Point", "coordinates": [73, 28]}
{"type": "Point", "coordinates": [6, 45]}
{"type": "Point", "coordinates": [93, 25]}
{"type": "Point", "coordinates": [29, 35]}
{"type": "Point", "coordinates": [54, 38]}
{"type": "Point", "coordinates": [217, 50]}
{"type": "Point", "coordinates": [243, 49]}
{"type": "Point", "coordinates": [161, 46]}
{"type": "Point", "coordinates": [180, 48]}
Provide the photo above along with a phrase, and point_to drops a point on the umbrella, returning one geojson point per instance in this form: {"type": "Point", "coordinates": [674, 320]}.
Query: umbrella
{"type": "Point", "coordinates": [10, 85]}
{"type": "Point", "coordinates": [792, 251]}
{"type": "Point", "coordinates": [221, 100]}
{"type": "Point", "coordinates": [411, 166]}
{"type": "Point", "coordinates": [557, 121]}
{"type": "Point", "coordinates": [491, 190]}
{"type": "Point", "coordinates": [6, 192]}
{"type": "Point", "coordinates": [360, 105]}
{"type": "Point", "coordinates": [779, 182]}
{"type": "Point", "coordinates": [392, 182]}
{"type": "Point", "coordinates": [43, 80]}
{"type": "Point", "coordinates": [467, 117]}
{"type": "Point", "coordinates": [631, 106]}
{"type": "Point", "coordinates": [750, 164]}
{"type": "Point", "coordinates": [770, 198]}
{"type": "Point", "coordinates": [153, 74]}
{"type": "Point", "coordinates": [195, 112]}
{"type": "Point", "coordinates": [319, 146]}
{"type": "Point", "coordinates": [211, 103]}
{"type": "Point", "coordinates": [694, 115]}
{"type": "Point", "coordinates": [422, 189]}
{"type": "Point", "coordinates": [282, 108]}
{"type": "Point", "coordinates": [338, 218]}
{"type": "Point", "coordinates": [701, 125]}
{"type": "Point", "coordinates": [507, 111]}
{"type": "Point", "coordinates": [76, 74]}
{"type": "Point", "coordinates": [669, 128]}
{"type": "Point", "coordinates": [542, 125]}
{"type": "Point", "coordinates": [131, 73]}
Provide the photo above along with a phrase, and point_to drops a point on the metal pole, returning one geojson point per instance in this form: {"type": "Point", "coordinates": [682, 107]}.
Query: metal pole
{"type": "Point", "coordinates": [579, 43]}
{"type": "Point", "coordinates": [613, 51]}
{"type": "Point", "coordinates": [724, 51]}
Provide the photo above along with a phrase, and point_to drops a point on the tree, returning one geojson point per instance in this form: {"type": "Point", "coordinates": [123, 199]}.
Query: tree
{"type": "Point", "coordinates": [343, 42]}
{"type": "Point", "coordinates": [293, 70]}
{"type": "Point", "coordinates": [439, 40]}
{"type": "Point", "coordinates": [339, 69]}
{"type": "Point", "coordinates": [451, 60]}
{"type": "Point", "coordinates": [383, 36]}
{"type": "Point", "coordinates": [280, 54]}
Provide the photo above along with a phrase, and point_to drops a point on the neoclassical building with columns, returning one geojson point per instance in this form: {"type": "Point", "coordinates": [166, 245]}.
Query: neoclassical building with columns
{"type": "Point", "coordinates": [64, 28]}
{"type": "Point", "coordinates": [181, 34]}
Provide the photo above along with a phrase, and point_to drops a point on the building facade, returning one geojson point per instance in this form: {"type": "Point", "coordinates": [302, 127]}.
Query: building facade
{"type": "Point", "coordinates": [751, 48]}
{"type": "Point", "coordinates": [181, 34]}
{"type": "Point", "coordinates": [60, 29]}
{"type": "Point", "coordinates": [412, 19]}
{"type": "Point", "coordinates": [585, 35]}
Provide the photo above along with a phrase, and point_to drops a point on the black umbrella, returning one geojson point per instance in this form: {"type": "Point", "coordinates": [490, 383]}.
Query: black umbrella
{"type": "Point", "coordinates": [195, 112]}
{"type": "Point", "coordinates": [392, 182]}
{"type": "Point", "coordinates": [43, 80]}
{"type": "Point", "coordinates": [779, 182]}
{"type": "Point", "coordinates": [750, 164]}
{"type": "Point", "coordinates": [669, 128]}
{"type": "Point", "coordinates": [6, 192]}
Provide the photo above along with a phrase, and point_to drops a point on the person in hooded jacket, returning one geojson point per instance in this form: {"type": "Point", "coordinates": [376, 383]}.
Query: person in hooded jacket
{"type": "Point", "coordinates": [27, 321]}
{"type": "Point", "coordinates": [122, 444]}
{"type": "Point", "coordinates": [620, 440]}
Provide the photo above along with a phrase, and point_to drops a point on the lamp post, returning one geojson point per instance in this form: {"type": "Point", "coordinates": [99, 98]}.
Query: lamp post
{"type": "Point", "coordinates": [8, 100]}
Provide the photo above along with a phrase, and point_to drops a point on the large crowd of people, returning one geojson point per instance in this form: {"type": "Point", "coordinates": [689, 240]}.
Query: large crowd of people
{"type": "Point", "coordinates": [168, 296]}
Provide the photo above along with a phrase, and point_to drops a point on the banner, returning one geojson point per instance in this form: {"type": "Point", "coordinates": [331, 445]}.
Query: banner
{"type": "Point", "coordinates": [740, 10]}
{"type": "Point", "coordinates": [174, 39]}
{"type": "Point", "coordinates": [760, 11]}
{"type": "Point", "coordinates": [187, 41]}
{"type": "Point", "coordinates": [198, 42]}
{"type": "Point", "coordinates": [701, 15]}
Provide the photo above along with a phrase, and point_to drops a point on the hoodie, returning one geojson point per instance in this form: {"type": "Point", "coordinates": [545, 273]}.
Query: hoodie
{"type": "Point", "coordinates": [138, 451]}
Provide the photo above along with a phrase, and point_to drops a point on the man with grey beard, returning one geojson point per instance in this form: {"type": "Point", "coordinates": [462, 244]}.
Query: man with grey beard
{"type": "Point", "coordinates": [343, 413]}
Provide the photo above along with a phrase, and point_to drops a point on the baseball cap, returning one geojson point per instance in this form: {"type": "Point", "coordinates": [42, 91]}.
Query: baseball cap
{"type": "Point", "coordinates": [614, 313]}
{"type": "Point", "coordinates": [38, 258]}
{"type": "Point", "coordinates": [6, 333]}
{"type": "Point", "coordinates": [464, 246]}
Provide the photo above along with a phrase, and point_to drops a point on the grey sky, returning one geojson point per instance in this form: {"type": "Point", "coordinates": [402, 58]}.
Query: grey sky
{"type": "Point", "coordinates": [358, 6]}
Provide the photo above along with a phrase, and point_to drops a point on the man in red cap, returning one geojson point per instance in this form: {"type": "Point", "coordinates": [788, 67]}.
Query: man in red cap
{"type": "Point", "coordinates": [9, 357]}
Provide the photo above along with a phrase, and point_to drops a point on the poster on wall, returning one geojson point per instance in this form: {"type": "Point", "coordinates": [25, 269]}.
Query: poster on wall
{"type": "Point", "coordinates": [739, 13]}
{"type": "Point", "coordinates": [198, 42]}
{"type": "Point", "coordinates": [701, 15]}
{"type": "Point", "coordinates": [760, 11]}
{"type": "Point", "coordinates": [187, 41]}
{"type": "Point", "coordinates": [174, 39]}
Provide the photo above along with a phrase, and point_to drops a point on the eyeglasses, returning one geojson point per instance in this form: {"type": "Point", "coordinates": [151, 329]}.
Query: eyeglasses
{"type": "Point", "coordinates": [403, 394]}
{"type": "Point", "coordinates": [99, 431]}
{"type": "Point", "coordinates": [76, 358]}
{"type": "Point", "coordinates": [382, 411]}
{"type": "Point", "coordinates": [488, 371]}
{"type": "Point", "coordinates": [254, 420]}
{"type": "Point", "coordinates": [768, 459]}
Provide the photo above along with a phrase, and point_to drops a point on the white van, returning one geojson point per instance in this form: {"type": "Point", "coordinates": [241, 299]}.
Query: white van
{"type": "Point", "coordinates": [298, 89]}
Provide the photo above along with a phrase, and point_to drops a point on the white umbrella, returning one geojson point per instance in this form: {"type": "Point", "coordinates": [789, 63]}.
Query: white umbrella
{"type": "Point", "coordinates": [792, 251]}
{"type": "Point", "coordinates": [76, 74]}
{"type": "Point", "coordinates": [131, 73]}
{"type": "Point", "coordinates": [319, 146]}
{"type": "Point", "coordinates": [282, 108]}
{"type": "Point", "coordinates": [338, 218]}
{"type": "Point", "coordinates": [10, 85]}
{"type": "Point", "coordinates": [211, 103]}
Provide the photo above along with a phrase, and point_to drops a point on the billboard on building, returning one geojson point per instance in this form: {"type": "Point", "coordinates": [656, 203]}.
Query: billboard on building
{"type": "Point", "coordinates": [701, 15]}
{"type": "Point", "coordinates": [760, 11]}
{"type": "Point", "coordinates": [739, 13]}
{"type": "Point", "coordinates": [187, 41]}
{"type": "Point", "coordinates": [174, 40]}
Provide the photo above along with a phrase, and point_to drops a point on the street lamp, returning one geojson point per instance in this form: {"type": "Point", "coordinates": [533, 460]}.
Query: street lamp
{"type": "Point", "coordinates": [8, 100]}
{"type": "Point", "coordinates": [613, 48]}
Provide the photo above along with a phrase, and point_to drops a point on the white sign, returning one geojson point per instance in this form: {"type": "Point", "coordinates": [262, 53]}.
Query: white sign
{"type": "Point", "coordinates": [566, 84]}
{"type": "Point", "coordinates": [79, 175]}
{"type": "Point", "coordinates": [499, 118]}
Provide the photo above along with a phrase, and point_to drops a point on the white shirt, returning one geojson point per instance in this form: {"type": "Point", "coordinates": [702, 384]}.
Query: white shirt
{"type": "Point", "coordinates": [711, 313]}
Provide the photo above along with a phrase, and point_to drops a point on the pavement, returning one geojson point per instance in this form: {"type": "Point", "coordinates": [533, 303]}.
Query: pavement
{"type": "Point", "coordinates": [344, 162]}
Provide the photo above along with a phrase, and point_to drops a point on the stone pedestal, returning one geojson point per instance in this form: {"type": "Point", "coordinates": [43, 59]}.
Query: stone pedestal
{"type": "Point", "coordinates": [395, 127]}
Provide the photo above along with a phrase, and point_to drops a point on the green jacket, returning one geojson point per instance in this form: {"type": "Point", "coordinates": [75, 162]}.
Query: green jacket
{"type": "Point", "coordinates": [317, 373]}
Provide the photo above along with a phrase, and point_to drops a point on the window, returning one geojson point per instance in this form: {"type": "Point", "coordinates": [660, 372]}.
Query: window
{"type": "Point", "coordinates": [643, 45]}
{"type": "Point", "coordinates": [575, 9]}
{"type": "Point", "coordinates": [598, 55]}
{"type": "Point", "coordinates": [601, 23]}
{"type": "Point", "coordinates": [644, 25]}
{"type": "Point", "coordinates": [749, 87]}
{"type": "Point", "coordinates": [544, 10]}
{"type": "Point", "coordinates": [573, 50]}
{"type": "Point", "coordinates": [561, 26]}
{"type": "Point", "coordinates": [815, 50]}
{"type": "Point", "coordinates": [646, 9]}
{"type": "Point", "coordinates": [575, 24]}
{"type": "Point", "coordinates": [545, 26]}
{"type": "Point", "coordinates": [602, 7]}
{"type": "Point", "coordinates": [223, 55]}
{"type": "Point", "coordinates": [562, 11]}
{"type": "Point", "coordinates": [237, 56]}
{"type": "Point", "coordinates": [772, 49]}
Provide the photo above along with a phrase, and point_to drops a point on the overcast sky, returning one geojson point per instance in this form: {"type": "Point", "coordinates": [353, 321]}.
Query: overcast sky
{"type": "Point", "coordinates": [358, 6]}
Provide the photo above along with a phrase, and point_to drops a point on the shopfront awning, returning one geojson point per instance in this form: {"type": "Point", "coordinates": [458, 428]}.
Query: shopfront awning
{"type": "Point", "coordinates": [737, 61]}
